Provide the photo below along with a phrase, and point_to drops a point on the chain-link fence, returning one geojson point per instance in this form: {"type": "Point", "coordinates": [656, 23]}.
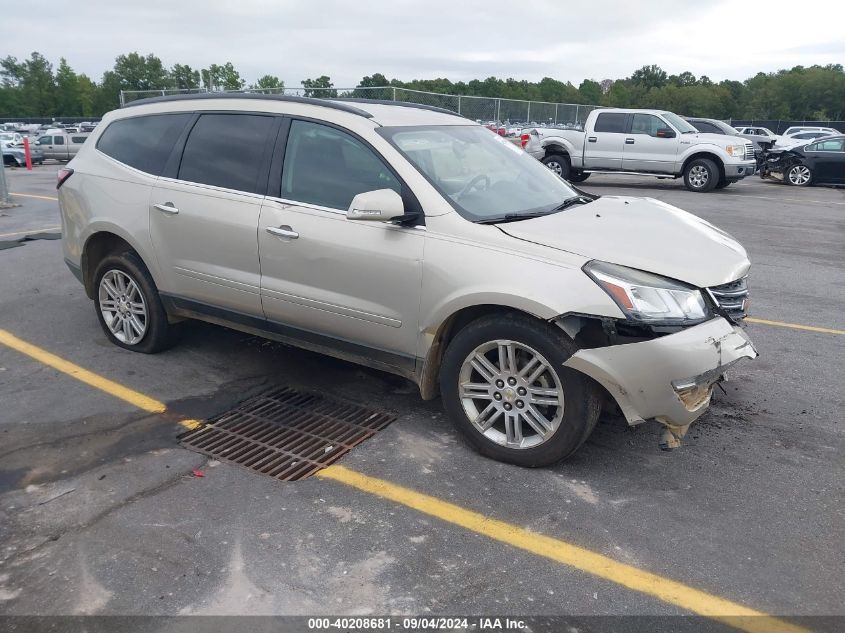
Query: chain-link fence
{"type": "Point", "coordinates": [483, 109]}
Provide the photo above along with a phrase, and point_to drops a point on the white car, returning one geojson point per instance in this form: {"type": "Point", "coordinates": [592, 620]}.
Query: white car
{"type": "Point", "coordinates": [8, 139]}
{"type": "Point", "coordinates": [412, 240]}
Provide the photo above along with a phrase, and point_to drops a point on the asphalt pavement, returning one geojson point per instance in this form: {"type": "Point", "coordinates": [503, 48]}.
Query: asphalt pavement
{"type": "Point", "coordinates": [101, 513]}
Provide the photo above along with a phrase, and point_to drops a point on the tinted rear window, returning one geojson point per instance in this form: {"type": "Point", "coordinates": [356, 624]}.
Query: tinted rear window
{"type": "Point", "coordinates": [610, 122]}
{"type": "Point", "coordinates": [227, 150]}
{"type": "Point", "coordinates": [143, 142]}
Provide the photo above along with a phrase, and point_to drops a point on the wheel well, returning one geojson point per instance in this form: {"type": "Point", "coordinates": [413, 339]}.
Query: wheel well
{"type": "Point", "coordinates": [430, 374]}
{"type": "Point", "coordinates": [557, 149]}
{"type": "Point", "coordinates": [713, 157]}
{"type": "Point", "coordinates": [97, 247]}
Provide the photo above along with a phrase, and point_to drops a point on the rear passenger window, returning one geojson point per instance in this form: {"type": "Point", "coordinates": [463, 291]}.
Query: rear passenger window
{"type": "Point", "coordinates": [143, 142]}
{"type": "Point", "coordinates": [79, 140]}
{"type": "Point", "coordinates": [227, 150]}
{"type": "Point", "coordinates": [610, 122]}
{"type": "Point", "coordinates": [58, 140]}
{"type": "Point", "coordinates": [327, 167]}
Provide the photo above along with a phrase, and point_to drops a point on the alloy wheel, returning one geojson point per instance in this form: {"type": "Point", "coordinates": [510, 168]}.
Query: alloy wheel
{"type": "Point", "coordinates": [799, 175]}
{"type": "Point", "coordinates": [511, 394]}
{"type": "Point", "coordinates": [698, 176]}
{"type": "Point", "coordinates": [123, 307]}
{"type": "Point", "coordinates": [555, 167]}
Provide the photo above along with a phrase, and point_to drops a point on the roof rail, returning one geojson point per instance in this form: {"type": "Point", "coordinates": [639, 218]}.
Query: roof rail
{"type": "Point", "coordinates": [325, 103]}
{"type": "Point", "coordinates": [403, 104]}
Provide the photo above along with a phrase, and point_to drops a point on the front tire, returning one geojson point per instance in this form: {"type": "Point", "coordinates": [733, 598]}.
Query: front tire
{"type": "Point", "coordinates": [578, 176]}
{"type": "Point", "coordinates": [506, 390]}
{"type": "Point", "coordinates": [559, 164]}
{"type": "Point", "coordinates": [799, 176]}
{"type": "Point", "coordinates": [701, 175]}
{"type": "Point", "coordinates": [128, 305]}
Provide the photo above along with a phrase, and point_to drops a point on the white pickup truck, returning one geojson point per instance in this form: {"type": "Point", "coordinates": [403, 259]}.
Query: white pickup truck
{"type": "Point", "coordinates": [642, 142]}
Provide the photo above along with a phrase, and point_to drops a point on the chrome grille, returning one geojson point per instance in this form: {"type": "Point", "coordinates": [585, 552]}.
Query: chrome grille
{"type": "Point", "coordinates": [732, 297]}
{"type": "Point", "coordinates": [749, 151]}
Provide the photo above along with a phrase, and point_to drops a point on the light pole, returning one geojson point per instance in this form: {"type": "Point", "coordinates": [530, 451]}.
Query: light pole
{"type": "Point", "coordinates": [4, 190]}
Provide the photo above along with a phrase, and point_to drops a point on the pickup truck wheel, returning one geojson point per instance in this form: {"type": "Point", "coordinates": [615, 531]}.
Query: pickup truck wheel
{"type": "Point", "coordinates": [578, 176]}
{"type": "Point", "coordinates": [722, 183]}
{"type": "Point", "coordinates": [799, 176]}
{"type": "Point", "coordinates": [128, 306]}
{"type": "Point", "coordinates": [558, 163]}
{"type": "Point", "coordinates": [701, 175]}
{"type": "Point", "coordinates": [505, 388]}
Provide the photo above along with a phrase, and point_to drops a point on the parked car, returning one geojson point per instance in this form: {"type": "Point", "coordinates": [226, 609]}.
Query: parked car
{"type": "Point", "coordinates": [10, 138]}
{"type": "Point", "coordinates": [825, 131]}
{"type": "Point", "coordinates": [754, 130]}
{"type": "Point", "coordinates": [14, 155]}
{"type": "Point", "coordinates": [803, 136]}
{"type": "Point", "coordinates": [60, 145]}
{"type": "Point", "coordinates": [643, 142]}
{"type": "Point", "coordinates": [714, 126]}
{"type": "Point", "coordinates": [819, 162]}
{"type": "Point", "coordinates": [412, 240]}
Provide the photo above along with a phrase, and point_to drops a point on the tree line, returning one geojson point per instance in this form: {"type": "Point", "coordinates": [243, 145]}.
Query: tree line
{"type": "Point", "coordinates": [34, 88]}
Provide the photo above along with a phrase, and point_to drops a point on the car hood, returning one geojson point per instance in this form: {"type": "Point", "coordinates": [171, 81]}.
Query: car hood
{"type": "Point", "coordinates": [641, 233]}
{"type": "Point", "coordinates": [721, 140]}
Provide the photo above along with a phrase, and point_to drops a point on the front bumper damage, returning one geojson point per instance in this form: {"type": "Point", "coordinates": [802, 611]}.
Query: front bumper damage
{"type": "Point", "coordinates": [669, 378]}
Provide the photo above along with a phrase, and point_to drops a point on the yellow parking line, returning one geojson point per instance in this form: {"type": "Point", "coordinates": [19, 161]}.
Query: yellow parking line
{"type": "Point", "coordinates": [31, 231]}
{"type": "Point", "coordinates": [88, 377]}
{"type": "Point", "coordinates": [665, 589]}
{"type": "Point", "coordinates": [32, 195]}
{"type": "Point", "coordinates": [796, 326]}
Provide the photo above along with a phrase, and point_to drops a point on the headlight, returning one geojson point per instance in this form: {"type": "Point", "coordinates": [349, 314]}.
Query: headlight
{"type": "Point", "coordinates": [648, 298]}
{"type": "Point", "coordinates": [737, 151]}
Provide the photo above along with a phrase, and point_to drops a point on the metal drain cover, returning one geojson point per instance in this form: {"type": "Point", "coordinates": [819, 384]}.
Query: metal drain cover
{"type": "Point", "coordinates": [286, 434]}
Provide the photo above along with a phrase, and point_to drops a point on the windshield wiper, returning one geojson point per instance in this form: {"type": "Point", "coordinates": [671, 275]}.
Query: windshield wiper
{"type": "Point", "coordinates": [512, 217]}
{"type": "Point", "coordinates": [579, 199]}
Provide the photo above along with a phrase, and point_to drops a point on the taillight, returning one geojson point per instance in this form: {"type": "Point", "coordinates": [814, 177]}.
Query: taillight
{"type": "Point", "coordinates": [63, 175]}
{"type": "Point", "coordinates": [524, 140]}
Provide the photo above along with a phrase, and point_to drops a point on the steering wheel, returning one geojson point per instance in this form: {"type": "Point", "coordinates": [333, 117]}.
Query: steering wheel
{"type": "Point", "coordinates": [472, 184]}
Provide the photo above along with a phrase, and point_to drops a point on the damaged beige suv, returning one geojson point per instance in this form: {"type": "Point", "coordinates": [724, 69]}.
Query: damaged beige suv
{"type": "Point", "coordinates": [408, 239]}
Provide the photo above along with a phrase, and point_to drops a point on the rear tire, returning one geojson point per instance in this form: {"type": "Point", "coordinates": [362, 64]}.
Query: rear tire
{"type": "Point", "coordinates": [128, 306]}
{"type": "Point", "coordinates": [701, 175]}
{"type": "Point", "coordinates": [798, 176]}
{"type": "Point", "coordinates": [536, 411]}
{"type": "Point", "coordinates": [559, 164]}
{"type": "Point", "coordinates": [578, 176]}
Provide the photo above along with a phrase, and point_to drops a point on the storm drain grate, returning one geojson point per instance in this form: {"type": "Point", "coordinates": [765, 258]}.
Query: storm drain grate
{"type": "Point", "coordinates": [286, 434]}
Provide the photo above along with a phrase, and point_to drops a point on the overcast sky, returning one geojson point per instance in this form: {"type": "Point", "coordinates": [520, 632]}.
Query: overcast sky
{"type": "Point", "coordinates": [409, 39]}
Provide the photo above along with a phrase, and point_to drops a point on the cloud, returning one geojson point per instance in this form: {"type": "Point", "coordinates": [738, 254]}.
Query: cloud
{"type": "Point", "coordinates": [436, 38]}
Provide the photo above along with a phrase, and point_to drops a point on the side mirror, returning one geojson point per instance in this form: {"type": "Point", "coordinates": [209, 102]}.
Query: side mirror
{"type": "Point", "coordinates": [665, 132]}
{"type": "Point", "coordinates": [381, 205]}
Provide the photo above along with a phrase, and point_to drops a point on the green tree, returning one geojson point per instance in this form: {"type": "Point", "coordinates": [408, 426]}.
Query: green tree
{"type": "Point", "coordinates": [67, 90]}
{"type": "Point", "coordinates": [649, 77]}
{"type": "Point", "coordinates": [268, 82]}
{"type": "Point", "coordinates": [591, 91]}
{"type": "Point", "coordinates": [322, 86]}
{"type": "Point", "coordinates": [37, 86]}
{"type": "Point", "coordinates": [184, 77]}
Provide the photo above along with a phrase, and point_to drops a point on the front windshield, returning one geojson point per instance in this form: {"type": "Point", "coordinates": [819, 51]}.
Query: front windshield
{"type": "Point", "coordinates": [483, 175]}
{"type": "Point", "coordinates": [682, 126]}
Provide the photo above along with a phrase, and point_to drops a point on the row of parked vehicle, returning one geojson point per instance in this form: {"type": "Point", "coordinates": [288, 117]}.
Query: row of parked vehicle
{"type": "Point", "coordinates": [708, 154]}
{"type": "Point", "coordinates": [58, 143]}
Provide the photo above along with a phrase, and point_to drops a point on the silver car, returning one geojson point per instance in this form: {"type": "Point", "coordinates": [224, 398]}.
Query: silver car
{"type": "Point", "coordinates": [412, 240]}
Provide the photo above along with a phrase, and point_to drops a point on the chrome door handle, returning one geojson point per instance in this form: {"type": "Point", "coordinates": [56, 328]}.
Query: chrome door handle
{"type": "Point", "coordinates": [592, 139]}
{"type": "Point", "coordinates": [629, 141]}
{"type": "Point", "coordinates": [167, 207]}
{"type": "Point", "coordinates": [282, 231]}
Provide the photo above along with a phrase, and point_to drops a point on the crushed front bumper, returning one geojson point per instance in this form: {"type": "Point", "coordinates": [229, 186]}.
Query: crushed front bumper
{"type": "Point", "coordinates": [669, 378]}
